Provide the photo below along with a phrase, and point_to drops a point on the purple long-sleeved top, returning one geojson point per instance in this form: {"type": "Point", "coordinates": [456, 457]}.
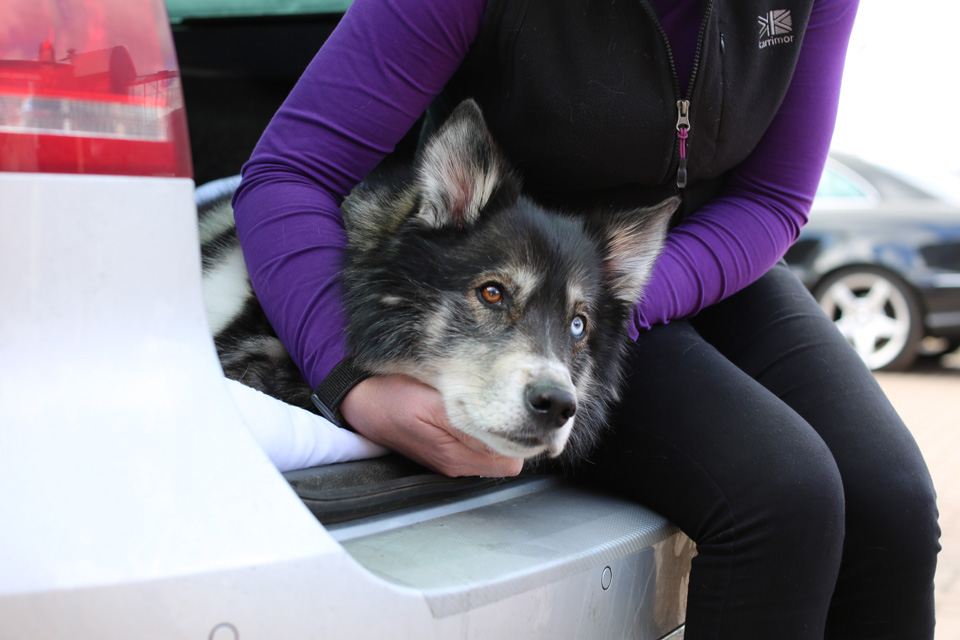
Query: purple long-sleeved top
{"type": "Point", "coordinates": [379, 71]}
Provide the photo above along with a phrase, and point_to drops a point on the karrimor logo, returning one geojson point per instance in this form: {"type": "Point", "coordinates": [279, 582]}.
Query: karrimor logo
{"type": "Point", "coordinates": [776, 27]}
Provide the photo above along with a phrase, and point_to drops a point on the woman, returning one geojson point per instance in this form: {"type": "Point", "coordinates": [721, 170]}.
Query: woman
{"type": "Point", "coordinates": [747, 419]}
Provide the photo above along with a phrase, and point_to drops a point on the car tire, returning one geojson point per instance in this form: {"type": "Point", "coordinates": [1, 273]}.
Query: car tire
{"type": "Point", "coordinates": [876, 312]}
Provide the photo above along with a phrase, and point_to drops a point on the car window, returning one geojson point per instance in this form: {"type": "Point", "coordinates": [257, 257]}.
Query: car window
{"type": "Point", "coordinates": [181, 10]}
{"type": "Point", "coordinates": [833, 185]}
{"type": "Point", "coordinates": [843, 188]}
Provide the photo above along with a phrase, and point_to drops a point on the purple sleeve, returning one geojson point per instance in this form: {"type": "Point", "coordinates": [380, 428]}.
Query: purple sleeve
{"type": "Point", "coordinates": [742, 233]}
{"type": "Point", "coordinates": [368, 84]}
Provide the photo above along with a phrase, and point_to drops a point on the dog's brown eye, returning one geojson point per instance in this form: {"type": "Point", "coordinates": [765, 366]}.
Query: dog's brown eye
{"type": "Point", "coordinates": [490, 293]}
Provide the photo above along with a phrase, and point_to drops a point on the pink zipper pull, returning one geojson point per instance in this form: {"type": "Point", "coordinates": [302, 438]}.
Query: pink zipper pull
{"type": "Point", "coordinates": [683, 130]}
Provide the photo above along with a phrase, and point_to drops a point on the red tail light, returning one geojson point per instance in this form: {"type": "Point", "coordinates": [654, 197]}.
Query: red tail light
{"type": "Point", "coordinates": [90, 86]}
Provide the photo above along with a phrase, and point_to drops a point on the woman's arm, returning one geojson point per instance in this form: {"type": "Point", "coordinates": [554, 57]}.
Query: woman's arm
{"type": "Point", "coordinates": [741, 234]}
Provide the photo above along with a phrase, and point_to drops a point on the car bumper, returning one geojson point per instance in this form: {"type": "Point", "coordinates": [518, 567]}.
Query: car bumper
{"type": "Point", "coordinates": [942, 303]}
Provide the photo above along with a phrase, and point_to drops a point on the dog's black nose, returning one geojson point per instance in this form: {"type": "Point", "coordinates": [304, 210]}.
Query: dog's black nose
{"type": "Point", "coordinates": [552, 405]}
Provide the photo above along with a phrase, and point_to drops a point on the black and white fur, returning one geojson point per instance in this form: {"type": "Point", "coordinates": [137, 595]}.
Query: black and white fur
{"type": "Point", "coordinates": [452, 277]}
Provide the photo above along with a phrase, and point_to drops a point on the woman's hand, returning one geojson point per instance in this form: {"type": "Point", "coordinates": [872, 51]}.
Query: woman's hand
{"type": "Point", "coordinates": [408, 417]}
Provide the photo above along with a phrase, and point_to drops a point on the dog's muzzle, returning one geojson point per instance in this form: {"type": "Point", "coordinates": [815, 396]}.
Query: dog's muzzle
{"type": "Point", "coordinates": [550, 405]}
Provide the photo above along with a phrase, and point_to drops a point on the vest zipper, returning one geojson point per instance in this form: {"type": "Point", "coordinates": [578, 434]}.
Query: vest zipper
{"type": "Point", "coordinates": [683, 105]}
{"type": "Point", "coordinates": [683, 129]}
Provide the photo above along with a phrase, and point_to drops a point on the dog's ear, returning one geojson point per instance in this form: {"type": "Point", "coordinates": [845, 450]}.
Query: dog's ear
{"type": "Point", "coordinates": [460, 170]}
{"type": "Point", "coordinates": [633, 240]}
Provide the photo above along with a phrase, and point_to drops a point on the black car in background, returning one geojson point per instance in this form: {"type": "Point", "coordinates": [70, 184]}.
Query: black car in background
{"type": "Point", "coordinates": [882, 257]}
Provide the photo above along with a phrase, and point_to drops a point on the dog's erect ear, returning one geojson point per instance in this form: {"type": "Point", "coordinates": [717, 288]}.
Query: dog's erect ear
{"type": "Point", "coordinates": [633, 242]}
{"type": "Point", "coordinates": [460, 169]}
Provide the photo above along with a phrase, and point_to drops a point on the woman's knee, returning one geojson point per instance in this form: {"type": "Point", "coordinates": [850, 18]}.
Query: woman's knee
{"type": "Point", "coordinates": [783, 541]}
{"type": "Point", "coordinates": [794, 502]}
{"type": "Point", "coordinates": [897, 517]}
{"type": "Point", "coordinates": [889, 560]}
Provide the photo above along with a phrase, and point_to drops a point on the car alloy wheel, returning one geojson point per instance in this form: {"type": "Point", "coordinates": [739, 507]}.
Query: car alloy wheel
{"type": "Point", "coordinates": [876, 312]}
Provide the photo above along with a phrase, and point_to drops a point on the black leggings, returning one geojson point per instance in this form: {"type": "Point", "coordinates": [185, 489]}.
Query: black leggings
{"type": "Point", "coordinates": [759, 432]}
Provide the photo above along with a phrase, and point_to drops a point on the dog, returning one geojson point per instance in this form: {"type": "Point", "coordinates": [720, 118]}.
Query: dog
{"type": "Point", "coordinates": [453, 277]}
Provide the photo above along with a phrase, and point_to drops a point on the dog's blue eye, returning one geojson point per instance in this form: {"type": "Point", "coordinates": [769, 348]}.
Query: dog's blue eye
{"type": "Point", "coordinates": [577, 326]}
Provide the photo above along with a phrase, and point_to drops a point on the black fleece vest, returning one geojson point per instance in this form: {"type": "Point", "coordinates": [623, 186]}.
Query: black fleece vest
{"type": "Point", "coordinates": [582, 94]}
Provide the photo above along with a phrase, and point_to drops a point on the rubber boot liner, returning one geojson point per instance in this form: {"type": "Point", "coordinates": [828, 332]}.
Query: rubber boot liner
{"type": "Point", "coordinates": [351, 490]}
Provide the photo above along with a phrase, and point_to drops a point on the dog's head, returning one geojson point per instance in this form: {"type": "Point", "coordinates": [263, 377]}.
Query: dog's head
{"type": "Point", "coordinates": [515, 314]}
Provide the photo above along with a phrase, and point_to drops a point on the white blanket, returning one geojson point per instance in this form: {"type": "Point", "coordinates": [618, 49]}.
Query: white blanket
{"type": "Point", "coordinates": [294, 438]}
